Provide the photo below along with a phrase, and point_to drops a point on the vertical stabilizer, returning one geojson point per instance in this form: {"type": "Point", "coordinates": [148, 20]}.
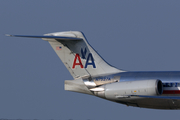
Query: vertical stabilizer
{"type": "Point", "coordinates": [78, 56]}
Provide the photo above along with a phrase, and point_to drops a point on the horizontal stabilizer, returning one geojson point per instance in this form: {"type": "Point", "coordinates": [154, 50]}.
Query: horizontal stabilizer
{"type": "Point", "coordinates": [49, 37]}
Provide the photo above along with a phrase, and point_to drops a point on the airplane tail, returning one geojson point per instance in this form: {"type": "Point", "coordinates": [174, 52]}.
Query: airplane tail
{"type": "Point", "coordinates": [78, 56]}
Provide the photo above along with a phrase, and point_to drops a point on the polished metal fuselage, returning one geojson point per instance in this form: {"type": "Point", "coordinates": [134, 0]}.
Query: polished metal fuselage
{"type": "Point", "coordinates": [171, 87]}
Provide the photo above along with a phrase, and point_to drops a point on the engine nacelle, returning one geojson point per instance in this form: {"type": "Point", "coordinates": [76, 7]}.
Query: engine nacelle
{"type": "Point", "coordinates": [116, 90]}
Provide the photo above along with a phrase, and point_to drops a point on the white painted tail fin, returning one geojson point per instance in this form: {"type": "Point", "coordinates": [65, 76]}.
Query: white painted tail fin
{"type": "Point", "coordinates": [77, 55]}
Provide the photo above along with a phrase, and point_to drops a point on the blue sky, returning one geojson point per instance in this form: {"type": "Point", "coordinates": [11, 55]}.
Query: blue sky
{"type": "Point", "coordinates": [131, 35]}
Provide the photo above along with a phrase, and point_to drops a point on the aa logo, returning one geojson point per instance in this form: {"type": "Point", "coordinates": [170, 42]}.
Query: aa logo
{"type": "Point", "coordinates": [89, 59]}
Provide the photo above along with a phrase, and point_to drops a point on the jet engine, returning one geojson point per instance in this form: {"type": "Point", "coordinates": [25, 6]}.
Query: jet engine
{"type": "Point", "coordinates": [114, 91]}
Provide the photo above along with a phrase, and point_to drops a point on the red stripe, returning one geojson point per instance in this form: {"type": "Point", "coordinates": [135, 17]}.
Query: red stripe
{"type": "Point", "coordinates": [171, 92]}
